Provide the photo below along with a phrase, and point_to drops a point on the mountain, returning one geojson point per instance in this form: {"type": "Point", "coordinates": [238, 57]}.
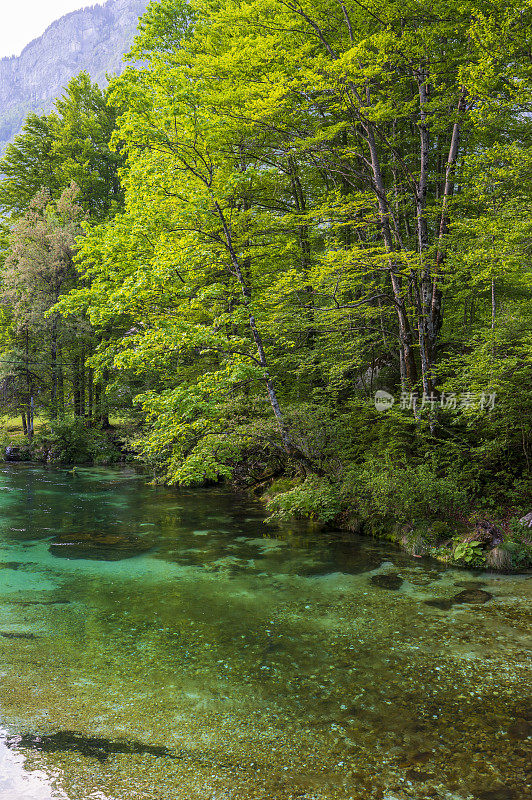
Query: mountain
{"type": "Point", "coordinates": [92, 39]}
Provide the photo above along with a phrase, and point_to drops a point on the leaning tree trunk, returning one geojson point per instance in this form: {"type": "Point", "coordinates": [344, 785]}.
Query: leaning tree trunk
{"type": "Point", "coordinates": [289, 446]}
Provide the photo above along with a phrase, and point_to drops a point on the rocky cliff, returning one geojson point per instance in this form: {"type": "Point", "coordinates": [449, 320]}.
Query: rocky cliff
{"type": "Point", "coordinates": [92, 39]}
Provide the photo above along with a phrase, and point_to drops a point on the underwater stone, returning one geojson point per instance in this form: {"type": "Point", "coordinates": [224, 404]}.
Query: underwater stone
{"type": "Point", "coordinates": [98, 546]}
{"type": "Point", "coordinates": [520, 729]}
{"type": "Point", "coordinates": [353, 711]}
{"type": "Point", "coordinates": [418, 775]}
{"type": "Point", "coordinates": [472, 596]}
{"type": "Point", "coordinates": [443, 605]}
{"type": "Point", "coordinates": [467, 596]}
{"type": "Point", "coordinates": [390, 580]}
{"type": "Point", "coordinates": [502, 793]}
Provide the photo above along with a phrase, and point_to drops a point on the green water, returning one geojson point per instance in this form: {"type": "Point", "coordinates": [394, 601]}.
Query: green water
{"type": "Point", "coordinates": [224, 659]}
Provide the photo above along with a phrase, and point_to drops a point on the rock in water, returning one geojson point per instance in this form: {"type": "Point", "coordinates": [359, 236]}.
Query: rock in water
{"type": "Point", "coordinates": [443, 605]}
{"type": "Point", "coordinates": [469, 584]}
{"type": "Point", "coordinates": [467, 596]}
{"type": "Point", "coordinates": [520, 729]}
{"type": "Point", "coordinates": [98, 546]}
{"type": "Point", "coordinates": [391, 580]}
{"type": "Point", "coordinates": [501, 793]}
{"type": "Point", "coordinates": [472, 596]}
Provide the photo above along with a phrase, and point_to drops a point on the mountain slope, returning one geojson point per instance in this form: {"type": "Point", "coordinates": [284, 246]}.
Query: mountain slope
{"type": "Point", "coordinates": [92, 39]}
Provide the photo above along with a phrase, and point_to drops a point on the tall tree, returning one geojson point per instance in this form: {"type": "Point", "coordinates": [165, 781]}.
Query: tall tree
{"type": "Point", "coordinates": [38, 270]}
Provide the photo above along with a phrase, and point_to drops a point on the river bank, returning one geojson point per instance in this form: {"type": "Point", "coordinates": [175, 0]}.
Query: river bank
{"type": "Point", "coordinates": [417, 508]}
{"type": "Point", "coordinates": [474, 540]}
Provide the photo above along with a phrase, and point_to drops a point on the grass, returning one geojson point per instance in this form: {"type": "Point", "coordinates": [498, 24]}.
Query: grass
{"type": "Point", "coordinates": [12, 431]}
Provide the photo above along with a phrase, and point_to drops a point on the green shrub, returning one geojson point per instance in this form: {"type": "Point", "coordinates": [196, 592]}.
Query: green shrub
{"type": "Point", "coordinates": [70, 441]}
{"type": "Point", "coordinates": [314, 499]}
{"type": "Point", "coordinates": [403, 492]}
{"type": "Point", "coordinates": [520, 553]}
{"type": "Point", "coordinates": [519, 544]}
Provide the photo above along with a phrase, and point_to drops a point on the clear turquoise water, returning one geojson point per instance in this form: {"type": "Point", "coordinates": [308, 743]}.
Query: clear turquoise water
{"type": "Point", "coordinates": [223, 658]}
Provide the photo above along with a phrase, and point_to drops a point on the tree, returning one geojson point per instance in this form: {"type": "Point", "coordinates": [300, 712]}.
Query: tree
{"type": "Point", "coordinates": [38, 270]}
{"type": "Point", "coordinates": [71, 144]}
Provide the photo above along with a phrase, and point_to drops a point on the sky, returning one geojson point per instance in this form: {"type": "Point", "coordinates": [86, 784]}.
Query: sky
{"type": "Point", "coordinates": [24, 20]}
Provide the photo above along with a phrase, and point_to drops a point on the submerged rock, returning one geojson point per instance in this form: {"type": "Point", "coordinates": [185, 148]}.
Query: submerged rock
{"type": "Point", "coordinates": [443, 605]}
{"type": "Point", "coordinates": [520, 729]}
{"type": "Point", "coordinates": [472, 596]}
{"type": "Point", "coordinates": [390, 580]}
{"type": "Point", "coordinates": [98, 546]}
{"type": "Point", "coordinates": [501, 793]}
{"type": "Point", "coordinates": [418, 775]}
{"type": "Point", "coordinates": [90, 746]}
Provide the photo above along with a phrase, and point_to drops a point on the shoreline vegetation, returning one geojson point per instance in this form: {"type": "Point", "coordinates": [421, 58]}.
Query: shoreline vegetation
{"type": "Point", "coordinates": [289, 249]}
{"type": "Point", "coordinates": [422, 521]}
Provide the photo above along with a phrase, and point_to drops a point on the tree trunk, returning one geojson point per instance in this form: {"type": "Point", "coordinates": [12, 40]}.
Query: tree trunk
{"type": "Point", "coordinates": [53, 358]}
{"type": "Point", "coordinates": [90, 394]}
{"type": "Point", "coordinates": [82, 383]}
{"type": "Point", "coordinates": [76, 388]}
{"type": "Point", "coordinates": [60, 385]}
{"type": "Point", "coordinates": [408, 361]}
{"type": "Point", "coordinates": [103, 410]}
{"type": "Point", "coordinates": [29, 391]}
{"type": "Point", "coordinates": [97, 401]}
{"type": "Point", "coordinates": [435, 317]}
{"type": "Point", "coordinates": [31, 416]}
{"type": "Point", "coordinates": [286, 438]}
{"type": "Point", "coordinates": [424, 292]}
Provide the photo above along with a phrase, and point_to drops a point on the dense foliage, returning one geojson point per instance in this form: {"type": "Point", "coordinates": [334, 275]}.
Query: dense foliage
{"type": "Point", "coordinates": [321, 203]}
{"type": "Point", "coordinates": [59, 174]}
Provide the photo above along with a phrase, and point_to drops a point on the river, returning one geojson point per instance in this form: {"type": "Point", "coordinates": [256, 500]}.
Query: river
{"type": "Point", "coordinates": [158, 644]}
